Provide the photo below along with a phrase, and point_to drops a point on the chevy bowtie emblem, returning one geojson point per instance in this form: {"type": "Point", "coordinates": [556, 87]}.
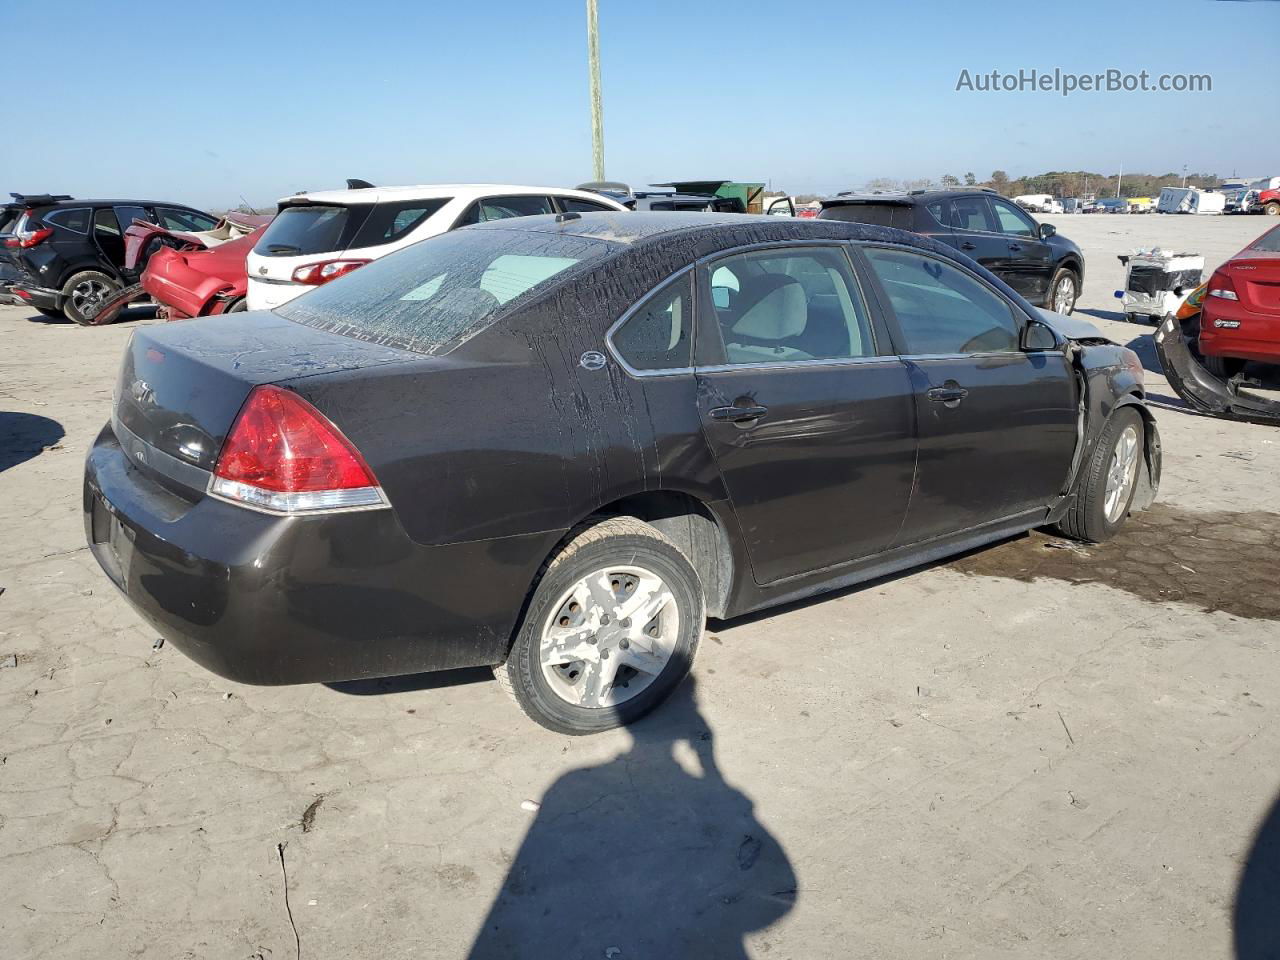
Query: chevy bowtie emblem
{"type": "Point", "coordinates": [262, 271]}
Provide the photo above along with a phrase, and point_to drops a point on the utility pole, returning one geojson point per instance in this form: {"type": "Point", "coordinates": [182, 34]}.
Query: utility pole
{"type": "Point", "coordinates": [597, 111]}
{"type": "Point", "coordinates": [1119, 177]}
{"type": "Point", "coordinates": [1184, 174]}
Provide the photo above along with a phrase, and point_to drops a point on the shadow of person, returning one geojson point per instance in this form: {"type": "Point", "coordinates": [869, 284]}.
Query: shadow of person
{"type": "Point", "coordinates": [1256, 923]}
{"type": "Point", "coordinates": [640, 858]}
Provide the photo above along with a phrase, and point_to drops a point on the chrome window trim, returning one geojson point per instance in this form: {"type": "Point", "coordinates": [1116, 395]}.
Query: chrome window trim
{"type": "Point", "coordinates": [631, 310]}
{"type": "Point", "coordinates": [48, 218]}
{"type": "Point", "coordinates": [788, 364]}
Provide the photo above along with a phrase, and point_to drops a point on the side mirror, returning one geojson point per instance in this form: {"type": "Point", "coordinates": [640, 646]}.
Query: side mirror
{"type": "Point", "coordinates": [1039, 336]}
{"type": "Point", "coordinates": [1047, 230]}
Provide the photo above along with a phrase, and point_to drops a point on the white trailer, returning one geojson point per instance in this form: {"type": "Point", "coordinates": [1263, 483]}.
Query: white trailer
{"type": "Point", "coordinates": [1190, 200]}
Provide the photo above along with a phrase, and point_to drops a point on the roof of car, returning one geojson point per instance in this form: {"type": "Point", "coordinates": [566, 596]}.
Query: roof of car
{"type": "Point", "coordinates": [93, 202]}
{"type": "Point", "coordinates": [905, 198]}
{"type": "Point", "coordinates": [643, 226]}
{"type": "Point", "coordinates": [428, 191]}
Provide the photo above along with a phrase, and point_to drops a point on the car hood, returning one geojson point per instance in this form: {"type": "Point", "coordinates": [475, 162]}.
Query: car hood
{"type": "Point", "coordinates": [1072, 327]}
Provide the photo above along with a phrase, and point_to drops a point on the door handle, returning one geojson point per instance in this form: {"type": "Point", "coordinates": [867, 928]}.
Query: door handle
{"type": "Point", "coordinates": [968, 246]}
{"type": "Point", "coordinates": [1015, 246]}
{"type": "Point", "coordinates": [947, 394]}
{"type": "Point", "coordinates": [738, 414]}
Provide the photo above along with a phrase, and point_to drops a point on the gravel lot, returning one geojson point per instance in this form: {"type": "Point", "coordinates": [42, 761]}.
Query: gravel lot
{"type": "Point", "coordinates": [1028, 752]}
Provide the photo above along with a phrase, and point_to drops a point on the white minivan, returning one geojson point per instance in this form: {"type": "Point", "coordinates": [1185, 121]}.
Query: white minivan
{"type": "Point", "coordinates": [318, 237]}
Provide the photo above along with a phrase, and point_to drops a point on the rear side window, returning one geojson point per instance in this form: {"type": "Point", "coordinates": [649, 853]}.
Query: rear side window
{"type": "Point", "coordinates": [1269, 241]}
{"type": "Point", "coordinates": [898, 215]}
{"type": "Point", "coordinates": [940, 308]}
{"type": "Point", "coordinates": [389, 222]}
{"type": "Point", "coordinates": [105, 222]}
{"type": "Point", "coordinates": [186, 221]}
{"type": "Point", "coordinates": [433, 295]}
{"type": "Point", "coordinates": [126, 214]}
{"type": "Point", "coordinates": [659, 333]}
{"type": "Point", "coordinates": [76, 220]}
{"type": "Point", "coordinates": [311, 229]}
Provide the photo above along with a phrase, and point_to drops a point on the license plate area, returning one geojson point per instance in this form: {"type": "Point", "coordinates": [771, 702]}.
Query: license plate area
{"type": "Point", "coordinates": [112, 542]}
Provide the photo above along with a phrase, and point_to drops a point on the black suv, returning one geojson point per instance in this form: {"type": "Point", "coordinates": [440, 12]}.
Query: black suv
{"type": "Point", "coordinates": [65, 257]}
{"type": "Point", "coordinates": [1031, 257]}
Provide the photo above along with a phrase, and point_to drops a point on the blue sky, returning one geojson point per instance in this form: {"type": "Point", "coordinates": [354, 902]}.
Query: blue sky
{"type": "Point", "coordinates": [207, 102]}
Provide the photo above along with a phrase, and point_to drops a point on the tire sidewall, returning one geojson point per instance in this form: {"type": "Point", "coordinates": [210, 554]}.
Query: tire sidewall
{"type": "Point", "coordinates": [524, 663]}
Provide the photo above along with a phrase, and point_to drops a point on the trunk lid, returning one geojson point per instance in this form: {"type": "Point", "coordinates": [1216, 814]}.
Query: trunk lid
{"type": "Point", "coordinates": [182, 384]}
{"type": "Point", "coordinates": [1256, 277]}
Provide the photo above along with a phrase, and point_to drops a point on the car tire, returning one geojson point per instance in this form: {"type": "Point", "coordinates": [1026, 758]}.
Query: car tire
{"type": "Point", "coordinates": [84, 292]}
{"type": "Point", "coordinates": [1224, 368]}
{"type": "Point", "coordinates": [237, 306]}
{"type": "Point", "coordinates": [1065, 284]}
{"type": "Point", "coordinates": [569, 610]}
{"type": "Point", "coordinates": [1094, 516]}
{"type": "Point", "coordinates": [1272, 209]}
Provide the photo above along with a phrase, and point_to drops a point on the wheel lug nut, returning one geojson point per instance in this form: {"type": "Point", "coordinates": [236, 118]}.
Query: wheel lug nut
{"type": "Point", "coordinates": [624, 643]}
{"type": "Point", "coordinates": [604, 654]}
{"type": "Point", "coordinates": [624, 622]}
{"type": "Point", "coordinates": [604, 620]}
{"type": "Point", "coordinates": [593, 639]}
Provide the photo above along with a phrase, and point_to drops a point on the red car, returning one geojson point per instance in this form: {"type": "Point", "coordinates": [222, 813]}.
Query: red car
{"type": "Point", "coordinates": [1240, 318]}
{"type": "Point", "coordinates": [188, 275]}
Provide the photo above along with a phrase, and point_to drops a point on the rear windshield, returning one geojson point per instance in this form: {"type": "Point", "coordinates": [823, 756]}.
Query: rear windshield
{"type": "Point", "coordinates": [1269, 241]}
{"type": "Point", "coordinates": [881, 214]}
{"type": "Point", "coordinates": [314, 228]}
{"type": "Point", "coordinates": [436, 294]}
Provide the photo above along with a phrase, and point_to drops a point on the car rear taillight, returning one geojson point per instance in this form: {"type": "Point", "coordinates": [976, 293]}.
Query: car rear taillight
{"type": "Point", "coordinates": [282, 455]}
{"type": "Point", "coordinates": [29, 238]}
{"type": "Point", "coordinates": [314, 274]}
{"type": "Point", "coordinates": [1220, 286]}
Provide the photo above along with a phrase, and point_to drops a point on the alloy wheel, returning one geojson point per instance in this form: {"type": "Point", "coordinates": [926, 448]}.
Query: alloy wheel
{"type": "Point", "coordinates": [609, 636]}
{"type": "Point", "coordinates": [1121, 473]}
{"type": "Point", "coordinates": [87, 297]}
{"type": "Point", "coordinates": [1064, 295]}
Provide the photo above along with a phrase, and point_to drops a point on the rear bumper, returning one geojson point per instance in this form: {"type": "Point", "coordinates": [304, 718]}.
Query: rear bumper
{"type": "Point", "coordinates": [270, 600]}
{"type": "Point", "coordinates": [170, 281]}
{"type": "Point", "coordinates": [1256, 336]}
{"type": "Point", "coordinates": [269, 294]}
{"type": "Point", "coordinates": [33, 296]}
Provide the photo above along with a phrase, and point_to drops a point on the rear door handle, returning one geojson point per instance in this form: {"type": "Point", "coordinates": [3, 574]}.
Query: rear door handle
{"type": "Point", "coordinates": [968, 246]}
{"type": "Point", "coordinates": [947, 394]}
{"type": "Point", "coordinates": [1015, 246]}
{"type": "Point", "coordinates": [738, 414]}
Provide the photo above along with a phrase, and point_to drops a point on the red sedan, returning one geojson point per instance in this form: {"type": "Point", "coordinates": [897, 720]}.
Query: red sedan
{"type": "Point", "coordinates": [1241, 315]}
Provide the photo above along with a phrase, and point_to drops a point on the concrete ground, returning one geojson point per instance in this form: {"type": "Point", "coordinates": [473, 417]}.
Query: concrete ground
{"type": "Point", "coordinates": [1036, 750]}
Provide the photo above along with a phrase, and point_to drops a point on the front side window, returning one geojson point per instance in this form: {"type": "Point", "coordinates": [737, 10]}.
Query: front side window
{"type": "Point", "coordinates": [185, 221]}
{"type": "Point", "coordinates": [502, 208]}
{"type": "Point", "coordinates": [575, 205]}
{"type": "Point", "coordinates": [782, 306]}
{"type": "Point", "coordinates": [940, 308]}
{"type": "Point", "coordinates": [659, 333]}
{"type": "Point", "coordinates": [431, 296]}
{"type": "Point", "coordinates": [972, 213]}
{"type": "Point", "coordinates": [1012, 220]}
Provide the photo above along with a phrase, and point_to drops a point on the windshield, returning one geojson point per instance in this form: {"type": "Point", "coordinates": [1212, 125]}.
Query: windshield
{"type": "Point", "coordinates": [438, 293]}
{"type": "Point", "coordinates": [1269, 241]}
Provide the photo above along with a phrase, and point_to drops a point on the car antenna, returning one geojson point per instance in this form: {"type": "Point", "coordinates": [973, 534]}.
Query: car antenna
{"type": "Point", "coordinates": [354, 184]}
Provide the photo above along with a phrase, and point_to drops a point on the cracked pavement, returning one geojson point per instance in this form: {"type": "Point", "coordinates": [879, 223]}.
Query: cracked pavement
{"type": "Point", "coordinates": [1007, 755]}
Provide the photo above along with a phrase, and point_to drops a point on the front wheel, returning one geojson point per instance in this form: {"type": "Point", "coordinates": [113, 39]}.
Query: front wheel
{"type": "Point", "coordinates": [1224, 368]}
{"type": "Point", "coordinates": [610, 631]}
{"type": "Point", "coordinates": [1064, 290]}
{"type": "Point", "coordinates": [1110, 480]}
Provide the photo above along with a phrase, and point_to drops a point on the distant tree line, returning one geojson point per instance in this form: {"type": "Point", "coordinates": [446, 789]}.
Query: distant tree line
{"type": "Point", "coordinates": [1057, 183]}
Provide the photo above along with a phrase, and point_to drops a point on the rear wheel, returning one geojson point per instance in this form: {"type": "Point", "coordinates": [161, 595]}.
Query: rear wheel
{"type": "Point", "coordinates": [610, 631]}
{"type": "Point", "coordinates": [1224, 368]}
{"type": "Point", "coordinates": [1272, 209]}
{"type": "Point", "coordinates": [237, 306]}
{"type": "Point", "coordinates": [85, 293]}
{"type": "Point", "coordinates": [1110, 479]}
{"type": "Point", "coordinates": [1064, 290]}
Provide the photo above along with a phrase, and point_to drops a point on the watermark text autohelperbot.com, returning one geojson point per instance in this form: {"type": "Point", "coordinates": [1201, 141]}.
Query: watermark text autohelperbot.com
{"type": "Point", "coordinates": [1065, 83]}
